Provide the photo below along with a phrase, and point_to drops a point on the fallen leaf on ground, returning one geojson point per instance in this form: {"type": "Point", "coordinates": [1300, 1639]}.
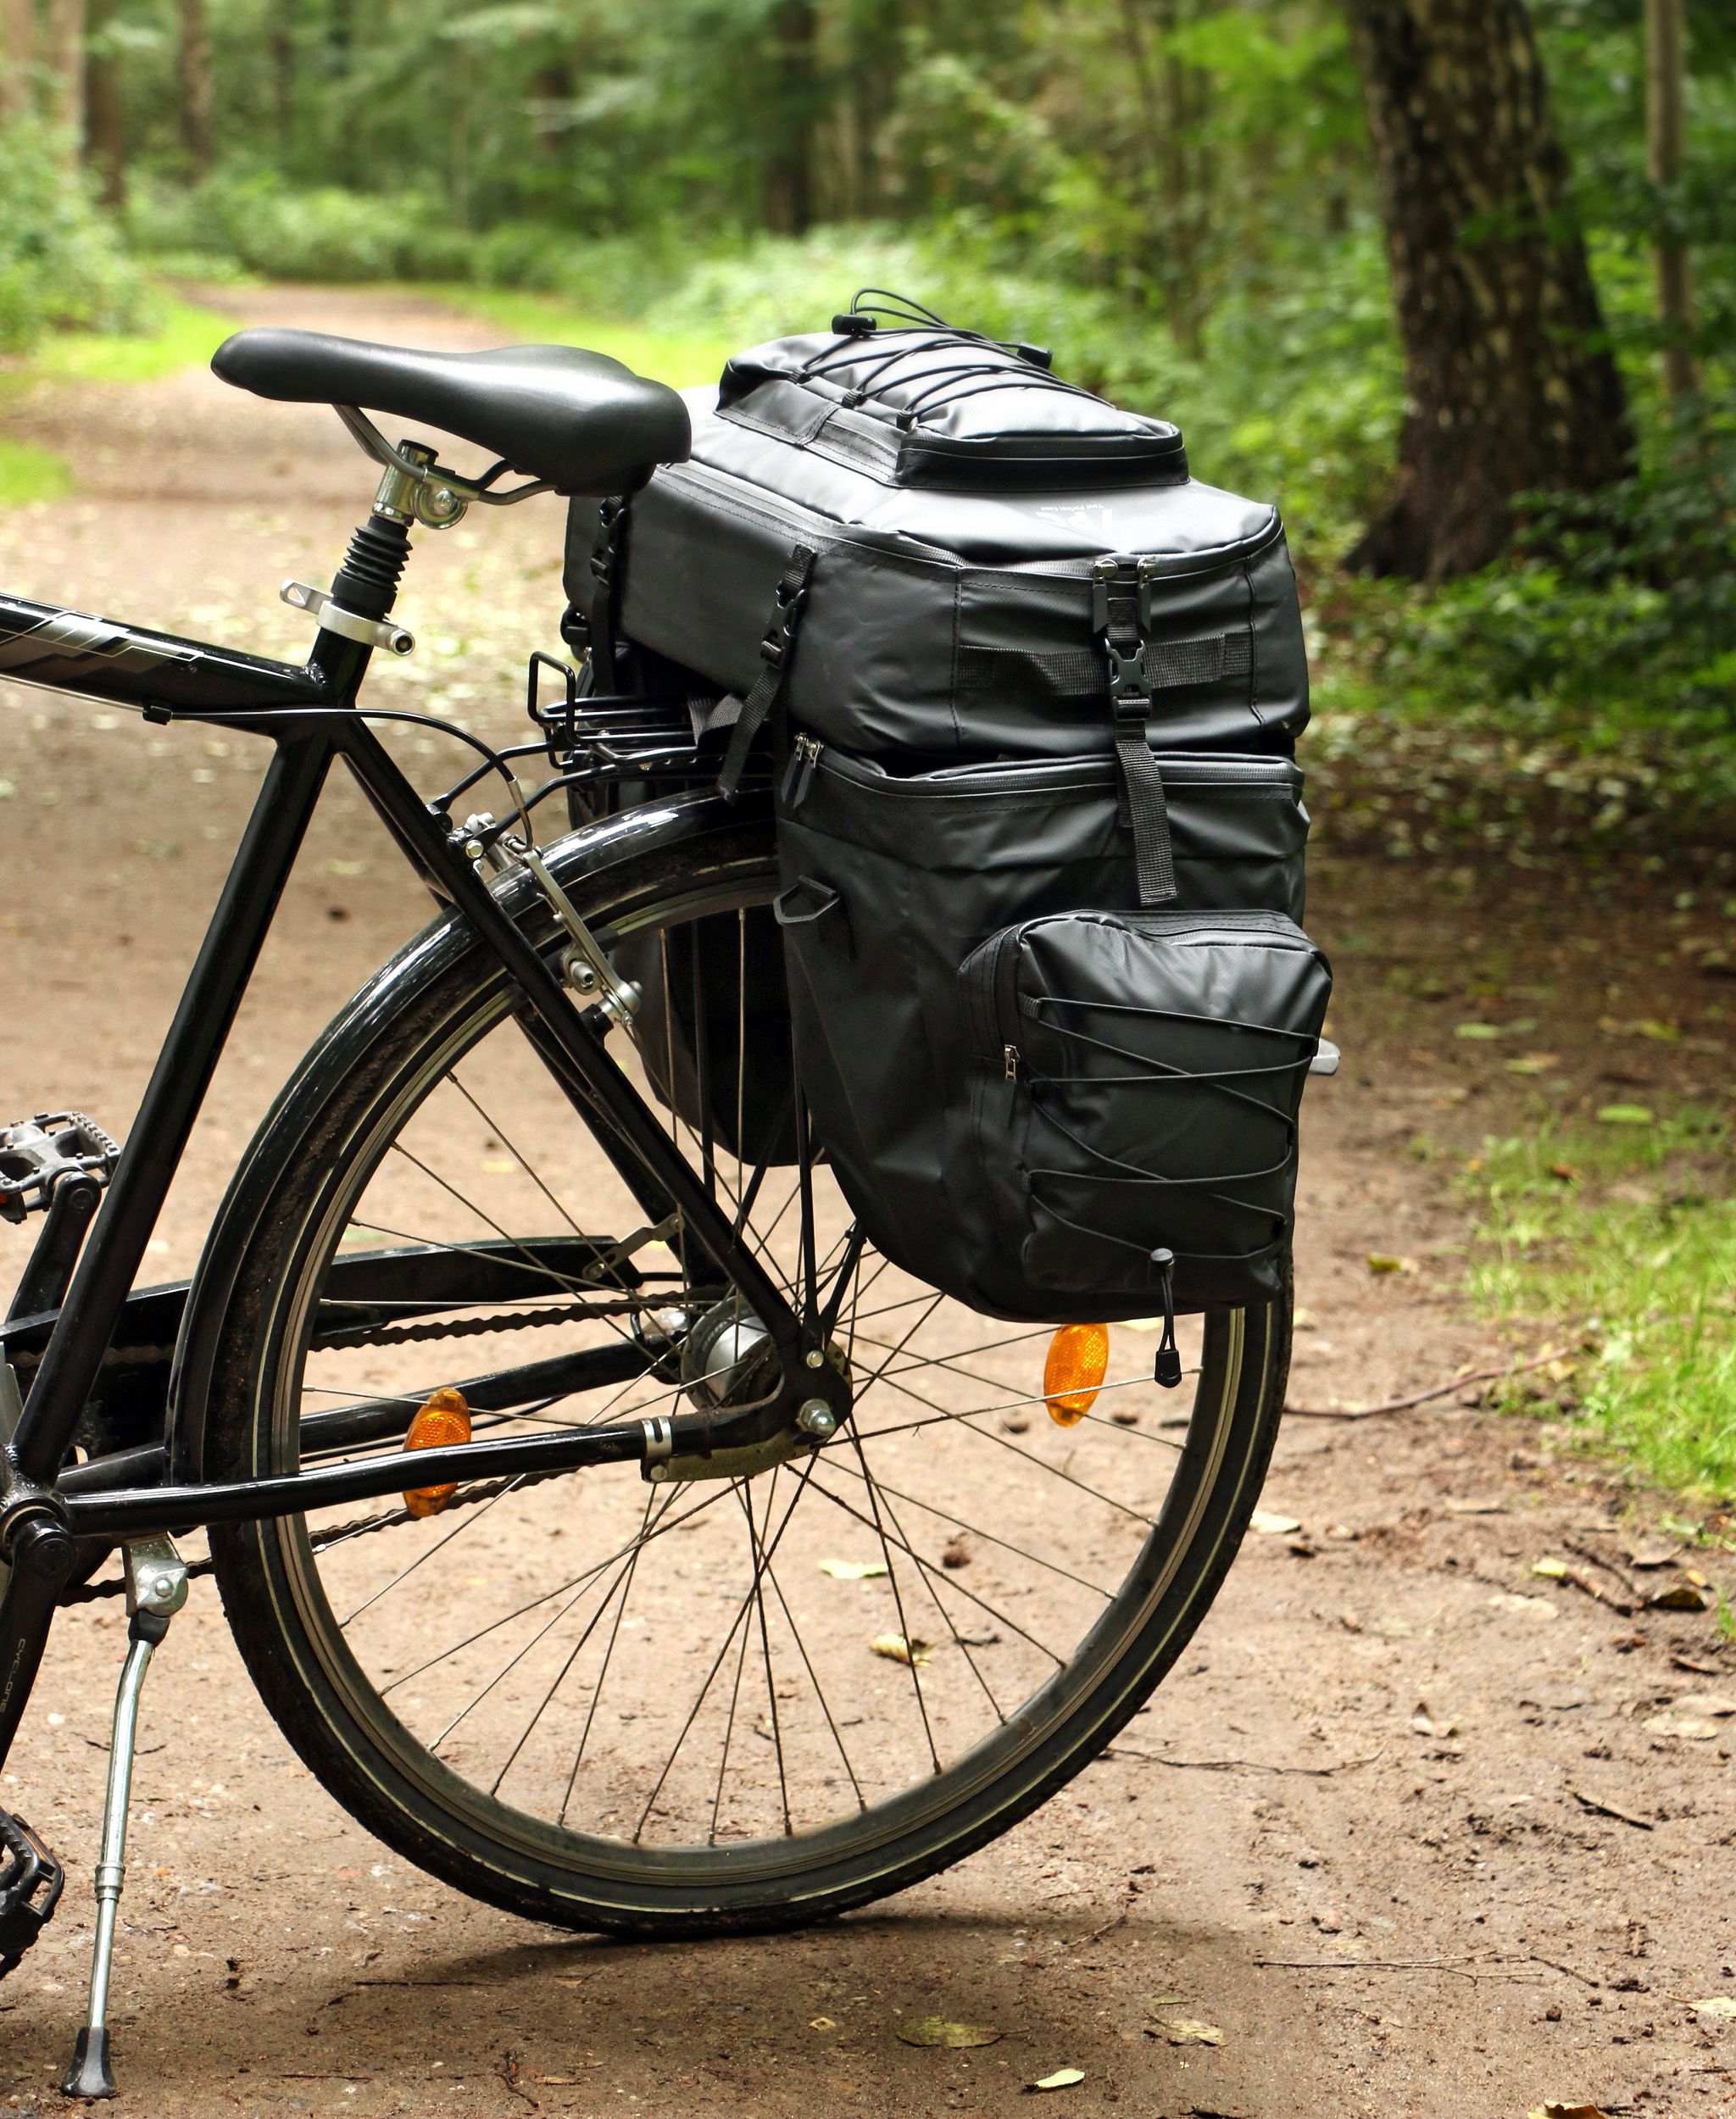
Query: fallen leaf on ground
{"type": "Point", "coordinates": [1303, 1319]}
{"type": "Point", "coordinates": [1263, 1524]}
{"type": "Point", "coordinates": [955, 1553]}
{"type": "Point", "coordinates": [1693, 1728]}
{"type": "Point", "coordinates": [1426, 1725]}
{"type": "Point", "coordinates": [1624, 1115]}
{"type": "Point", "coordinates": [1533, 1063]}
{"type": "Point", "coordinates": [1554, 2110]}
{"type": "Point", "coordinates": [1565, 1171]}
{"type": "Point", "coordinates": [1716, 2004]}
{"type": "Point", "coordinates": [1385, 1262]}
{"type": "Point", "coordinates": [1650, 1551]}
{"type": "Point", "coordinates": [1477, 1508]}
{"type": "Point", "coordinates": [941, 2030]}
{"type": "Point", "coordinates": [1532, 1607]}
{"type": "Point", "coordinates": [1550, 1570]}
{"type": "Point", "coordinates": [1608, 1809]}
{"type": "Point", "coordinates": [897, 1649]}
{"type": "Point", "coordinates": [1679, 1596]}
{"type": "Point", "coordinates": [821, 2023]}
{"type": "Point", "coordinates": [853, 1569]}
{"type": "Point", "coordinates": [1187, 2030]}
{"type": "Point", "coordinates": [1062, 2078]}
{"type": "Point", "coordinates": [1716, 1705]}
{"type": "Point", "coordinates": [1478, 1031]}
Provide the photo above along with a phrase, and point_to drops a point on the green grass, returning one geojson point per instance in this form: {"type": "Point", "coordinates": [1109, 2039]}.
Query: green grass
{"type": "Point", "coordinates": [681, 358]}
{"type": "Point", "coordinates": [1622, 1238]}
{"type": "Point", "coordinates": [185, 336]}
{"type": "Point", "coordinates": [28, 473]}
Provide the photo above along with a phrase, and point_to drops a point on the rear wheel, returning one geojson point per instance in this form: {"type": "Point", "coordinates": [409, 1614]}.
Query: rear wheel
{"type": "Point", "coordinates": [730, 1703]}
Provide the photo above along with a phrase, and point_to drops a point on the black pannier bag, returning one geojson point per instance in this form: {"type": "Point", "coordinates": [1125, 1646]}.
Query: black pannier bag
{"type": "Point", "coordinates": [1033, 693]}
{"type": "Point", "coordinates": [991, 1142]}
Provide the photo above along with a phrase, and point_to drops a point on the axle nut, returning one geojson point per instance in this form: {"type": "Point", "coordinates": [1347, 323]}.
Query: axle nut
{"type": "Point", "coordinates": [816, 1418]}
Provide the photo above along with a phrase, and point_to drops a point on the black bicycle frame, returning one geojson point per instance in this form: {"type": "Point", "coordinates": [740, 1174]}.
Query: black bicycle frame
{"type": "Point", "coordinates": [309, 713]}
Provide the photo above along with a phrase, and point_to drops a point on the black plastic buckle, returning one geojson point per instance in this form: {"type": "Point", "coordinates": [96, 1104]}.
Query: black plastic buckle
{"type": "Point", "coordinates": [36, 1153]}
{"type": "Point", "coordinates": [779, 634]}
{"type": "Point", "coordinates": [31, 1883]}
{"type": "Point", "coordinates": [1129, 692]}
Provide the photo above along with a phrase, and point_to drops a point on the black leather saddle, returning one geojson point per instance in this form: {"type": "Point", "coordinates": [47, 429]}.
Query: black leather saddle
{"type": "Point", "coordinates": [581, 422]}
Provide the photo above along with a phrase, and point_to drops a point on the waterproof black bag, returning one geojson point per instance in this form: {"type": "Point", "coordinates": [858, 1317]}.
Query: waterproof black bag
{"type": "Point", "coordinates": [935, 1103]}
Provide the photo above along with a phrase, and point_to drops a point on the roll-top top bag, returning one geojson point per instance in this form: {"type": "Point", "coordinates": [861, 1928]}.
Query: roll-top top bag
{"type": "Point", "coordinates": [923, 404]}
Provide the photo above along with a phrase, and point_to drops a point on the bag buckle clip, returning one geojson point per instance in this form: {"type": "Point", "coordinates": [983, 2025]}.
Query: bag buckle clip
{"type": "Point", "coordinates": [786, 609]}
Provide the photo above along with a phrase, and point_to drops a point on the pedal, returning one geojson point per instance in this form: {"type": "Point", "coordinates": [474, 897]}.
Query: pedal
{"type": "Point", "coordinates": [31, 1882]}
{"type": "Point", "coordinates": [36, 1153]}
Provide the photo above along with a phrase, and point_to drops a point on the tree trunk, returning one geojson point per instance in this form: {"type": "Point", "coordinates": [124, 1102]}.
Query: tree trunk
{"type": "Point", "coordinates": [1665, 79]}
{"type": "Point", "coordinates": [105, 138]}
{"type": "Point", "coordinates": [18, 56]}
{"type": "Point", "coordinates": [283, 74]}
{"type": "Point", "coordinates": [63, 28]}
{"type": "Point", "coordinates": [1508, 384]}
{"type": "Point", "coordinates": [789, 172]}
{"type": "Point", "coordinates": [193, 65]}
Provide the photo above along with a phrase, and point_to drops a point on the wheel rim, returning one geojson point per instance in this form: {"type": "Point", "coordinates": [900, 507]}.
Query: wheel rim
{"type": "Point", "coordinates": [775, 1741]}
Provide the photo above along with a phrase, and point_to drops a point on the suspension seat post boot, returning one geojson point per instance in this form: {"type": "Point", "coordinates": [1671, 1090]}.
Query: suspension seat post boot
{"type": "Point", "coordinates": [156, 1589]}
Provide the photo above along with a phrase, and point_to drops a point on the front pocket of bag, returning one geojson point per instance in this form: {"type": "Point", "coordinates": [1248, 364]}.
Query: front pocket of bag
{"type": "Point", "coordinates": [1151, 1068]}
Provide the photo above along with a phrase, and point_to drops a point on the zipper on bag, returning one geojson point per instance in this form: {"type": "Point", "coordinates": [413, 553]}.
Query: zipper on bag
{"type": "Point", "coordinates": [798, 774]}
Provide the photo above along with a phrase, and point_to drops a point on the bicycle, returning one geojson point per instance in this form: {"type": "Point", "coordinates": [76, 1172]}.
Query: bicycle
{"type": "Point", "coordinates": [864, 1606]}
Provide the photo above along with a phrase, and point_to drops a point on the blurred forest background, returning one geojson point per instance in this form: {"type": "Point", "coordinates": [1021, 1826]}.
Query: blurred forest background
{"type": "Point", "coordinates": [1265, 219]}
{"type": "Point", "coordinates": [1454, 280]}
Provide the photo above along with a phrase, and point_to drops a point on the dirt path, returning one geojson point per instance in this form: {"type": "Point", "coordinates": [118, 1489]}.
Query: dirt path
{"type": "Point", "coordinates": [1415, 1830]}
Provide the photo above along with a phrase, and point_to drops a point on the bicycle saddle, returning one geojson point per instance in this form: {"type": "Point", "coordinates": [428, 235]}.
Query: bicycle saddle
{"type": "Point", "coordinates": [580, 421]}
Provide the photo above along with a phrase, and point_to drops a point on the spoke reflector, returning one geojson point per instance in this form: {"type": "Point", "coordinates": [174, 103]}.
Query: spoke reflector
{"type": "Point", "coordinates": [1079, 1361]}
{"type": "Point", "coordinates": [441, 1420]}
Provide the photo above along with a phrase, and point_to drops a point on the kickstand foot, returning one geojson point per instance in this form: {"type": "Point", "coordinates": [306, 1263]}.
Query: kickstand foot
{"type": "Point", "coordinates": [156, 1589]}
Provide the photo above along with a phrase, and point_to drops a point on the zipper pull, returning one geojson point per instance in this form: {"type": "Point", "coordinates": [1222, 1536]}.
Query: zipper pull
{"type": "Point", "coordinates": [804, 755]}
{"type": "Point", "coordinates": [1168, 1368]}
{"type": "Point", "coordinates": [1010, 1054]}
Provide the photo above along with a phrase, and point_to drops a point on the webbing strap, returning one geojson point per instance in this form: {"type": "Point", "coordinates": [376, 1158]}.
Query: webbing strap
{"type": "Point", "coordinates": [774, 667]}
{"type": "Point", "coordinates": [1121, 625]}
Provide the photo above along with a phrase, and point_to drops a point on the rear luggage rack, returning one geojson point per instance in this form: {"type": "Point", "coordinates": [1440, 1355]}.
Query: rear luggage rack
{"type": "Point", "coordinates": [623, 736]}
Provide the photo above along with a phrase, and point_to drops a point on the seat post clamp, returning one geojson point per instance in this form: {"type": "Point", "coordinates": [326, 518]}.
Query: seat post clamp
{"type": "Point", "coordinates": [371, 633]}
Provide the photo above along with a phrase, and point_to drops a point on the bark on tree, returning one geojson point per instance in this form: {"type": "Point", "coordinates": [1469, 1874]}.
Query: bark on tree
{"type": "Point", "coordinates": [105, 138]}
{"type": "Point", "coordinates": [17, 56]}
{"type": "Point", "coordinates": [1510, 385]}
{"type": "Point", "coordinates": [789, 169]}
{"type": "Point", "coordinates": [64, 40]}
{"type": "Point", "coordinates": [1172, 157]}
{"type": "Point", "coordinates": [283, 74]}
{"type": "Point", "coordinates": [1666, 129]}
{"type": "Point", "coordinates": [193, 66]}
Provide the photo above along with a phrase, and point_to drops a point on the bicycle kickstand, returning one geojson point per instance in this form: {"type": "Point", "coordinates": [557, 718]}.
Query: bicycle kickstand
{"type": "Point", "coordinates": [156, 1589]}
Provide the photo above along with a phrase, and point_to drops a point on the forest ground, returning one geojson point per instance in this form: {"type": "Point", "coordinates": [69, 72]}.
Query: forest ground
{"type": "Point", "coordinates": [1418, 1833]}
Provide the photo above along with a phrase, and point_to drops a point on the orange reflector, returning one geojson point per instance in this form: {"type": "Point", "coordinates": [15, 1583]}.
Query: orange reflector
{"type": "Point", "coordinates": [1073, 1374]}
{"type": "Point", "coordinates": [442, 1420]}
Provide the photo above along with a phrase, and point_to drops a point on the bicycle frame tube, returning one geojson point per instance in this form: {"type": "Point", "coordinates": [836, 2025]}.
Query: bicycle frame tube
{"type": "Point", "coordinates": [310, 723]}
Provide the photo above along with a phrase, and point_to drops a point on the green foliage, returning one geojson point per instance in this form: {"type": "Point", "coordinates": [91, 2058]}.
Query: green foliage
{"type": "Point", "coordinates": [265, 225]}
{"type": "Point", "coordinates": [61, 262]}
{"type": "Point", "coordinates": [28, 473]}
{"type": "Point", "coordinates": [1631, 1254]}
{"type": "Point", "coordinates": [181, 336]}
